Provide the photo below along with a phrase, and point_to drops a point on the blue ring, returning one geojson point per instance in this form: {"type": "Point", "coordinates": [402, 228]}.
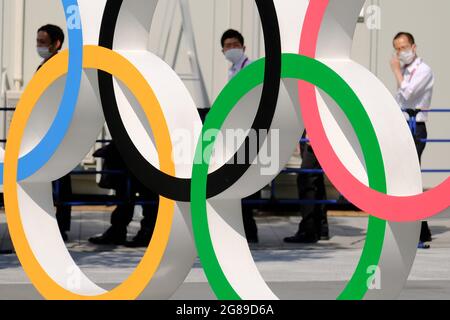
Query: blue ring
{"type": "Point", "coordinates": [42, 153]}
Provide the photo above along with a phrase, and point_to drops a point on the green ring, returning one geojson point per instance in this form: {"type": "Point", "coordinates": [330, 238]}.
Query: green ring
{"type": "Point", "coordinates": [301, 68]}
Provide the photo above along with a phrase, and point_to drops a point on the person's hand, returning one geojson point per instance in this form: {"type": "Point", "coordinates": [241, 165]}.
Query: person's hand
{"type": "Point", "coordinates": [395, 64]}
{"type": "Point", "coordinates": [397, 69]}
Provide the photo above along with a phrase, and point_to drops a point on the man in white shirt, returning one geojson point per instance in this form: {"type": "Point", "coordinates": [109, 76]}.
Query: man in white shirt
{"type": "Point", "coordinates": [415, 83]}
{"type": "Point", "coordinates": [233, 48]}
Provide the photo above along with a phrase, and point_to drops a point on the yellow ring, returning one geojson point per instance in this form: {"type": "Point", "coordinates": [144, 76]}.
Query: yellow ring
{"type": "Point", "coordinates": [108, 61]}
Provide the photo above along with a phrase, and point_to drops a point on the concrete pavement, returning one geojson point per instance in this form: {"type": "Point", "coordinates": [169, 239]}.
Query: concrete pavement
{"type": "Point", "coordinates": [293, 271]}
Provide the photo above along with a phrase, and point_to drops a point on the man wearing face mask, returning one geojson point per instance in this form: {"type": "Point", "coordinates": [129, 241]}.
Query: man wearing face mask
{"type": "Point", "coordinates": [415, 83]}
{"type": "Point", "coordinates": [233, 48]}
{"type": "Point", "coordinates": [49, 41]}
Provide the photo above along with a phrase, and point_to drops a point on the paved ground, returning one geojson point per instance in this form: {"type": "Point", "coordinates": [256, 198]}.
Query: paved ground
{"type": "Point", "coordinates": [293, 271]}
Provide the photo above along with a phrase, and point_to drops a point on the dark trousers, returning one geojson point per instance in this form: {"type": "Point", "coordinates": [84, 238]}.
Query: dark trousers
{"type": "Point", "coordinates": [311, 186]}
{"type": "Point", "coordinates": [203, 113]}
{"type": "Point", "coordinates": [421, 134]}
{"type": "Point", "coordinates": [250, 227]}
{"type": "Point", "coordinates": [62, 188]}
{"type": "Point", "coordinates": [123, 214]}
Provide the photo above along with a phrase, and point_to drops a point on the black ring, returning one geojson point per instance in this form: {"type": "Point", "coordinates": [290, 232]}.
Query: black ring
{"type": "Point", "coordinates": [177, 188]}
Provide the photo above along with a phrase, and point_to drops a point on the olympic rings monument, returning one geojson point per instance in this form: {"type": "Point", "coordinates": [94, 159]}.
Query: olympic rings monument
{"type": "Point", "coordinates": [307, 78]}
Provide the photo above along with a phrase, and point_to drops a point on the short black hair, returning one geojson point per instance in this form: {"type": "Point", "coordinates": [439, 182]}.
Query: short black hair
{"type": "Point", "coordinates": [232, 34]}
{"type": "Point", "coordinates": [406, 34]}
{"type": "Point", "coordinates": [54, 32]}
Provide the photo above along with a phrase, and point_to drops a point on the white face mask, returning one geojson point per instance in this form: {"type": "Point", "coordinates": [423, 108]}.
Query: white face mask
{"type": "Point", "coordinates": [44, 52]}
{"type": "Point", "coordinates": [234, 55]}
{"type": "Point", "coordinates": [407, 57]}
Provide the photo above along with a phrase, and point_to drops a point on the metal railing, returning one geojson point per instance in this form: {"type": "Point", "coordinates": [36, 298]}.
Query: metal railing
{"type": "Point", "coordinates": [107, 200]}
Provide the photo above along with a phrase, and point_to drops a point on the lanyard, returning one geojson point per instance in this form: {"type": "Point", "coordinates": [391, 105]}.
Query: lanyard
{"type": "Point", "coordinates": [233, 71]}
{"type": "Point", "coordinates": [245, 61]}
{"type": "Point", "coordinates": [413, 73]}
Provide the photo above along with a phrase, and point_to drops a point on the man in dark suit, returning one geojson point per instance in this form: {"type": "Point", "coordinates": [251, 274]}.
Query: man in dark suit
{"type": "Point", "coordinates": [49, 41]}
{"type": "Point", "coordinates": [126, 187]}
{"type": "Point", "coordinates": [311, 186]}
